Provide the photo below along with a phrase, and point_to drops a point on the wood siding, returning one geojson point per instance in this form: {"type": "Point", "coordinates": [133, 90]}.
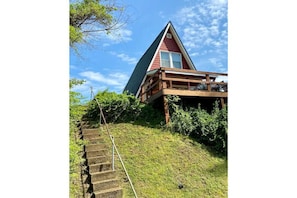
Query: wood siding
{"type": "Point", "coordinates": [171, 46]}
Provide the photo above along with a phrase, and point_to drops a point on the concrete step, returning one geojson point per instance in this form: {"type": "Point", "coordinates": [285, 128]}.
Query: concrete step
{"type": "Point", "coordinates": [89, 121]}
{"type": "Point", "coordinates": [104, 175]}
{"type": "Point", "coordinates": [110, 193]}
{"type": "Point", "coordinates": [94, 147]}
{"type": "Point", "coordinates": [90, 131]}
{"type": "Point", "coordinates": [89, 125]}
{"type": "Point", "coordinates": [93, 139]}
{"type": "Point", "coordinates": [96, 160]}
{"type": "Point", "coordinates": [91, 136]}
{"type": "Point", "coordinates": [100, 152]}
{"type": "Point", "coordinates": [98, 140]}
{"type": "Point", "coordinates": [105, 184]}
{"type": "Point", "coordinates": [99, 167]}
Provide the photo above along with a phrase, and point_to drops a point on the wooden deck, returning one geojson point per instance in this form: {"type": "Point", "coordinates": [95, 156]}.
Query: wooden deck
{"type": "Point", "coordinates": [182, 82]}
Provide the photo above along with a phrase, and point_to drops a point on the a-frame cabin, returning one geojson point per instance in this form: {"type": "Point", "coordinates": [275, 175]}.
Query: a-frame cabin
{"type": "Point", "coordinates": [167, 69]}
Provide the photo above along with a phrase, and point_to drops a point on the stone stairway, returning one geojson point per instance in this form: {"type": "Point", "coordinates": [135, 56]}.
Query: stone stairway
{"type": "Point", "coordinates": [100, 180]}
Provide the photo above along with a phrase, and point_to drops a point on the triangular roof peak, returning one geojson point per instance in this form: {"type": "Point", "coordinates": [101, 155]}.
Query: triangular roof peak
{"type": "Point", "coordinates": [145, 62]}
{"type": "Point", "coordinates": [170, 28]}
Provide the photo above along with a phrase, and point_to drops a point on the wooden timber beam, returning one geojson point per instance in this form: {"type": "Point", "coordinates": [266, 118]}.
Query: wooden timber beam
{"type": "Point", "coordinates": [222, 102]}
{"type": "Point", "coordinates": [207, 81]}
{"type": "Point", "coordinates": [192, 71]}
{"type": "Point", "coordinates": [178, 92]}
{"type": "Point", "coordinates": [166, 110]}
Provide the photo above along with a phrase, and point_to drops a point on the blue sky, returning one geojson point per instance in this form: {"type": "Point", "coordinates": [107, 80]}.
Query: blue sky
{"type": "Point", "coordinates": [110, 59]}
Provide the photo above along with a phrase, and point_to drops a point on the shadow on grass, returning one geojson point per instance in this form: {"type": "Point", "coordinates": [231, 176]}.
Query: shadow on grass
{"type": "Point", "coordinates": [219, 170]}
{"type": "Point", "coordinates": [210, 149]}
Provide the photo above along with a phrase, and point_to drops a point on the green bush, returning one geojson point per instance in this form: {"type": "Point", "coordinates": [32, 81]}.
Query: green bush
{"type": "Point", "coordinates": [211, 129]}
{"type": "Point", "coordinates": [208, 128]}
{"type": "Point", "coordinates": [121, 108]}
{"type": "Point", "coordinates": [115, 107]}
{"type": "Point", "coordinates": [150, 116]}
{"type": "Point", "coordinates": [180, 119]}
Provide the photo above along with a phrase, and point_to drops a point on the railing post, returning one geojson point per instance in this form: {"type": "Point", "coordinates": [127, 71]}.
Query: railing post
{"type": "Point", "coordinates": [163, 75]}
{"type": "Point", "coordinates": [160, 80]}
{"type": "Point", "coordinates": [112, 153]}
{"type": "Point", "coordinates": [207, 82]}
{"type": "Point", "coordinates": [142, 94]}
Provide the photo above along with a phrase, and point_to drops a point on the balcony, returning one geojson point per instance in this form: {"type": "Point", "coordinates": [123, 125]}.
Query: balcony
{"type": "Point", "coordinates": [183, 82]}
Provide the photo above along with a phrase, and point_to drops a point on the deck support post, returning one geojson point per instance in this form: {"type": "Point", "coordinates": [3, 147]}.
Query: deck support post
{"type": "Point", "coordinates": [142, 96]}
{"type": "Point", "coordinates": [222, 102]}
{"type": "Point", "coordinates": [166, 109]}
{"type": "Point", "coordinates": [207, 82]}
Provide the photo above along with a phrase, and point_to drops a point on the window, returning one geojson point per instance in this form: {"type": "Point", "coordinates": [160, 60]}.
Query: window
{"type": "Point", "coordinates": [171, 59]}
{"type": "Point", "coordinates": [169, 36]}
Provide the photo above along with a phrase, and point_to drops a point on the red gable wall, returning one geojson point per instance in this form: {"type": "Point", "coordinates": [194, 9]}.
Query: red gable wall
{"type": "Point", "coordinates": [168, 45]}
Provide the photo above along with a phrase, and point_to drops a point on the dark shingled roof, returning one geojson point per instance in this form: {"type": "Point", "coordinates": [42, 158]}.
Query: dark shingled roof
{"type": "Point", "coordinates": [142, 66]}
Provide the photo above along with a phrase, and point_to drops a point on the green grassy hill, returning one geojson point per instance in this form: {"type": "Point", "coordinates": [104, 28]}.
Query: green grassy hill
{"type": "Point", "coordinates": [158, 161]}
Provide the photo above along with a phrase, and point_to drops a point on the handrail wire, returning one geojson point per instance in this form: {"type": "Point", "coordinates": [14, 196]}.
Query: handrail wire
{"type": "Point", "coordinates": [111, 138]}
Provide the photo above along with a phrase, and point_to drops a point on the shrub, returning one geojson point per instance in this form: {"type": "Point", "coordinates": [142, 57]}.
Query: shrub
{"type": "Point", "coordinates": [116, 107]}
{"type": "Point", "coordinates": [208, 128]}
{"type": "Point", "coordinates": [150, 115]}
{"type": "Point", "coordinates": [121, 108]}
{"type": "Point", "coordinates": [181, 121]}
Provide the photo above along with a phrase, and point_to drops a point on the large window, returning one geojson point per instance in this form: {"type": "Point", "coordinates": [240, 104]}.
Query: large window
{"type": "Point", "coordinates": [171, 59]}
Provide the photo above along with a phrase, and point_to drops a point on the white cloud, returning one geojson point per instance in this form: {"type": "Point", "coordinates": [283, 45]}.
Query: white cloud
{"type": "Point", "coordinates": [117, 35]}
{"type": "Point", "coordinates": [204, 31]}
{"type": "Point", "coordinates": [100, 82]}
{"type": "Point", "coordinates": [120, 76]}
{"type": "Point", "coordinates": [219, 2]}
{"type": "Point", "coordinates": [222, 78]}
{"type": "Point", "coordinates": [120, 35]}
{"type": "Point", "coordinates": [126, 58]}
{"type": "Point", "coordinates": [161, 14]}
{"type": "Point", "coordinates": [73, 67]}
{"type": "Point", "coordinates": [217, 63]}
{"type": "Point", "coordinates": [194, 54]}
{"type": "Point", "coordinates": [98, 77]}
{"type": "Point", "coordinates": [85, 89]}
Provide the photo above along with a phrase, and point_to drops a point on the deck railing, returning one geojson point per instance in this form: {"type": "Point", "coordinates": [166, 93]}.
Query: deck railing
{"type": "Point", "coordinates": [183, 79]}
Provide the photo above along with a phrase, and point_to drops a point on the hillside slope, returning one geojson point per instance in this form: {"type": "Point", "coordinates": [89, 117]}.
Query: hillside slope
{"type": "Point", "coordinates": [159, 161]}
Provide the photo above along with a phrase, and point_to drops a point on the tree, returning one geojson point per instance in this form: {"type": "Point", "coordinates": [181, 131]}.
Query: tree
{"type": "Point", "coordinates": [92, 16]}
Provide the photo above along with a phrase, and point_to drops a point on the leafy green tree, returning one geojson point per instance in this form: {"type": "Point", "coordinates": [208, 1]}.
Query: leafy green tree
{"type": "Point", "coordinates": [91, 16]}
